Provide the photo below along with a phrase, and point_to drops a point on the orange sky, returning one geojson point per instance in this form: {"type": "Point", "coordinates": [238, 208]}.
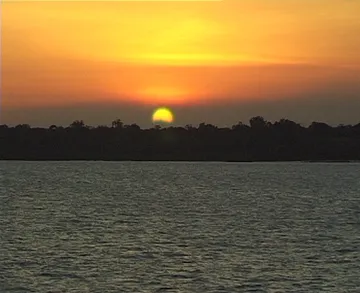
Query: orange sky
{"type": "Point", "coordinates": [175, 53]}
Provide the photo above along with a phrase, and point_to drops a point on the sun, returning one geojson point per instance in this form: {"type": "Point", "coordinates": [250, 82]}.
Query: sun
{"type": "Point", "coordinates": [163, 115]}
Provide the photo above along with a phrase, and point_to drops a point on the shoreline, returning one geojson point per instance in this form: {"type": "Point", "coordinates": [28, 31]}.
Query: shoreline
{"type": "Point", "coordinates": [182, 161]}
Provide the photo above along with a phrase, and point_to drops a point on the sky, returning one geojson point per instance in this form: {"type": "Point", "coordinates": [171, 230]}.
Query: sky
{"type": "Point", "coordinates": [218, 62]}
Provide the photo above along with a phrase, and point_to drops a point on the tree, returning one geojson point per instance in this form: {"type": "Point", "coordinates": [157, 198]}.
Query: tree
{"type": "Point", "coordinates": [133, 126]}
{"type": "Point", "coordinates": [282, 140]}
{"type": "Point", "coordinates": [320, 128]}
{"type": "Point", "coordinates": [204, 126]}
{"type": "Point", "coordinates": [239, 126]}
{"type": "Point", "coordinates": [189, 127]}
{"type": "Point", "coordinates": [23, 126]}
{"type": "Point", "coordinates": [117, 123]}
{"type": "Point", "coordinates": [102, 127]}
{"type": "Point", "coordinates": [258, 122]}
{"type": "Point", "coordinates": [78, 124]}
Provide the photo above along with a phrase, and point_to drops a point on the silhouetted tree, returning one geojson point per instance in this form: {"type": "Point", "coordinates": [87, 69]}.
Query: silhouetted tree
{"type": "Point", "coordinates": [78, 124]}
{"type": "Point", "coordinates": [117, 124]}
{"type": "Point", "coordinates": [206, 127]}
{"type": "Point", "coordinates": [262, 140]}
{"type": "Point", "coordinates": [258, 122]}
{"type": "Point", "coordinates": [239, 126]}
{"type": "Point", "coordinates": [22, 126]}
{"type": "Point", "coordinates": [134, 126]}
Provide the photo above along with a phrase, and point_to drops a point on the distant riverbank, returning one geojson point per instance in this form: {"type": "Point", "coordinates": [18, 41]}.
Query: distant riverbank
{"type": "Point", "coordinates": [261, 141]}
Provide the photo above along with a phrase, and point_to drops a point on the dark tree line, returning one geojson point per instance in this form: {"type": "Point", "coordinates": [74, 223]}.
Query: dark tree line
{"type": "Point", "coordinates": [261, 140]}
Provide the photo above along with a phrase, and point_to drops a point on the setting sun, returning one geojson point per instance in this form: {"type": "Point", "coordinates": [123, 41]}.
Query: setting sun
{"type": "Point", "coordinates": [163, 115]}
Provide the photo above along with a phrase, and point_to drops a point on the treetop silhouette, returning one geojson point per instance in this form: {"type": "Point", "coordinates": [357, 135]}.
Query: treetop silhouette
{"type": "Point", "coordinates": [261, 140]}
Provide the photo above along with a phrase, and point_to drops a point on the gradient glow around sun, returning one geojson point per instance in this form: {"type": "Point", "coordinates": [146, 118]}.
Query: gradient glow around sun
{"type": "Point", "coordinates": [163, 115]}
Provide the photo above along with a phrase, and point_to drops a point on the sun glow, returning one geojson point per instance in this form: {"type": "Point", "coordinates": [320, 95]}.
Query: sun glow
{"type": "Point", "coordinates": [174, 52]}
{"type": "Point", "coordinates": [170, 95]}
{"type": "Point", "coordinates": [163, 115]}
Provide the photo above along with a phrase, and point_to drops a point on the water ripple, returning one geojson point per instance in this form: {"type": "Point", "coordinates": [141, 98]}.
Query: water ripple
{"type": "Point", "coordinates": [179, 227]}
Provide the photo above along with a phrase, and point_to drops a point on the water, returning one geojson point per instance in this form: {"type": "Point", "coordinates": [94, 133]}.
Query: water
{"type": "Point", "coordinates": [179, 227]}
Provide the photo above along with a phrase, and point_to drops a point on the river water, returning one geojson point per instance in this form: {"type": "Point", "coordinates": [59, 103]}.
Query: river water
{"type": "Point", "coordinates": [179, 227]}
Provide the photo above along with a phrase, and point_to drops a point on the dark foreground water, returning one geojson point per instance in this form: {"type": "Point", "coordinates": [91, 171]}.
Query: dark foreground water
{"type": "Point", "coordinates": [179, 227]}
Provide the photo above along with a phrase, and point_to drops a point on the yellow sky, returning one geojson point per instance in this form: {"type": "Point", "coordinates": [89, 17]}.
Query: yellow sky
{"type": "Point", "coordinates": [174, 52]}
